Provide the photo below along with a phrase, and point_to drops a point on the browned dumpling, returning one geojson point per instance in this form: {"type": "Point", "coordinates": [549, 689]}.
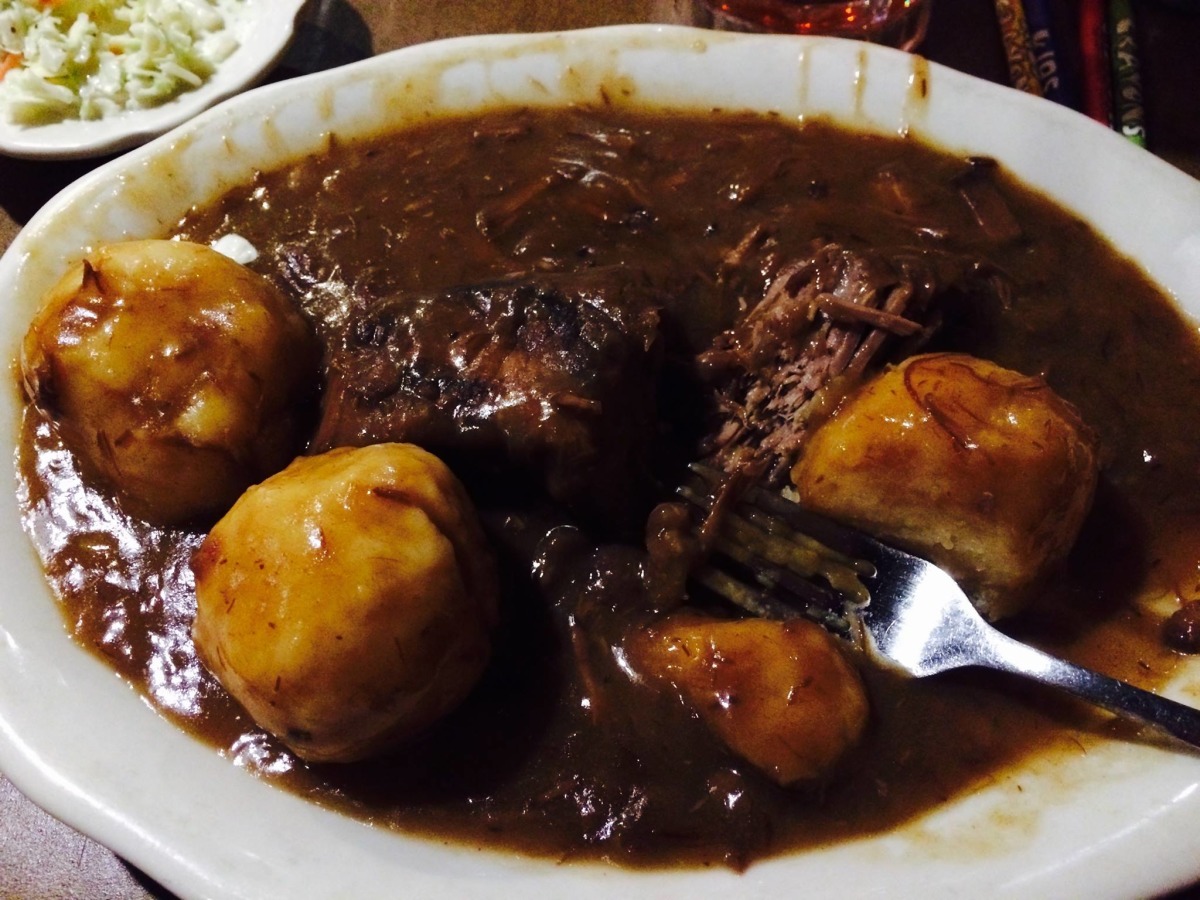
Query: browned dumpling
{"type": "Point", "coordinates": [178, 376]}
{"type": "Point", "coordinates": [348, 601]}
{"type": "Point", "coordinates": [782, 695]}
{"type": "Point", "coordinates": [983, 470]}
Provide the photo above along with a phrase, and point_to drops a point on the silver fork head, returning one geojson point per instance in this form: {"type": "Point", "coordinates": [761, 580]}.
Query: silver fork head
{"type": "Point", "coordinates": [918, 619]}
{"type": "Point", "coordinates": [907, 613]}
{"type": "Point", "coordinates": [914, 619]}
{"type": "Point", "coordinates": [768, 568]}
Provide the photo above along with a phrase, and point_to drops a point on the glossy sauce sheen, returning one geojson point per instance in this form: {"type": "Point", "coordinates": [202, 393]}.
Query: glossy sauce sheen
{"type": "Point", "coordinates": [555, 762]}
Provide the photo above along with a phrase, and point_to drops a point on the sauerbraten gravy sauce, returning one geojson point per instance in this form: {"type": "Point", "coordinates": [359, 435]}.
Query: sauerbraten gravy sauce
{"type": "Point", "coordinates": [556, 753]}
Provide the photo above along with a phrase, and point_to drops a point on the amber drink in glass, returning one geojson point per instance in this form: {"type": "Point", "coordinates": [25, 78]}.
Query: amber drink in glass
{"type": "Point", "coordinates": [899, 23]}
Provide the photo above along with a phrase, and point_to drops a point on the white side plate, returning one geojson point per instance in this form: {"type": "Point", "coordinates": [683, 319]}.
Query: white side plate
{"type": "Point", "coordinates": [264, 30]}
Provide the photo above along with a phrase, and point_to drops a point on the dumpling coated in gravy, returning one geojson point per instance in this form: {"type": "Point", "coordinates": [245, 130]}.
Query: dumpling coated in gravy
{"type": "Point", "coordinates": [177, 375]}
{"type": "Point", "coordinates": [982, 470]}
{"type": "Point", "coordinates": [348, 601]}
{"type": "Point", "coordinates": [781, 695]}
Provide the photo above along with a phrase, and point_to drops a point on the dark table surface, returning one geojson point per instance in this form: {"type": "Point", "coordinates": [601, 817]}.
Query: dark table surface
{"type": "Point", "coordinates": [42, 858]}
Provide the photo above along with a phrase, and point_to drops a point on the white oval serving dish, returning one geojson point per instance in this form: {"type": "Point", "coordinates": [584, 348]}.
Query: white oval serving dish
{"type": "Point", "coordinates": [1120, 822]}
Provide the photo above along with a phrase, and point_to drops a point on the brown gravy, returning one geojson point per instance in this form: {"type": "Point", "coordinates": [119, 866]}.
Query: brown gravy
{"type": "Point", "coordinates": [527, 764]}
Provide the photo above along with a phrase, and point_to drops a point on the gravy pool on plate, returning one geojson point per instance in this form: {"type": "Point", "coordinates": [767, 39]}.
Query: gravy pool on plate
{"type": "Point", "coordinates": [557, 751]}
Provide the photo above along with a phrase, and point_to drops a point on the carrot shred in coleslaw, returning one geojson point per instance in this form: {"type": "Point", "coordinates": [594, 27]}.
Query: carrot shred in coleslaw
{"type": "Point", "coordinates": [7, 62]}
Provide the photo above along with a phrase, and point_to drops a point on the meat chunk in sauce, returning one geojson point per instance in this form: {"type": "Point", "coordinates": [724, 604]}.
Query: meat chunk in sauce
{"type": "Point", "coordinates": [555, 375]}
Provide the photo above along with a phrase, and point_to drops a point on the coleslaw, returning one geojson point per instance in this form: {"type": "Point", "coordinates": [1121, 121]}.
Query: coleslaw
{"type": "Point", "coordinates": [87, 59]}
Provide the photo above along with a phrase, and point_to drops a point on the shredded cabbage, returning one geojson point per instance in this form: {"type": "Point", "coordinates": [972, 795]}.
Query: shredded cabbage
{"type": "Point", "coordinates": [86, 59]}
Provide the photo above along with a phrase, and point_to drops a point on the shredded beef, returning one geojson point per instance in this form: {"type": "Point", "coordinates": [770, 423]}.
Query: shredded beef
{"type": "Point", "coordinates": [822, 322]}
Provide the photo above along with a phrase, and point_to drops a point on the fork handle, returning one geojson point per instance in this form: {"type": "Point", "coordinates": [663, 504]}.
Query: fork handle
{"type": "Point", "coordinates": [1176, 719]}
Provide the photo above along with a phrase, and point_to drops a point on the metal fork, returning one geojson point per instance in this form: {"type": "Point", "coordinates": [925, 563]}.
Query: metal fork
{"type": "Point", "coordinates": [910, 615]}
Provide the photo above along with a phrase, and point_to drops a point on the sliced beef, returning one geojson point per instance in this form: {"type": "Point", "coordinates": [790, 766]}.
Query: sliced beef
{"type": "Point", "coordinates": [554, 373]}
{"type": "Point", "coordinates": [822, 320]}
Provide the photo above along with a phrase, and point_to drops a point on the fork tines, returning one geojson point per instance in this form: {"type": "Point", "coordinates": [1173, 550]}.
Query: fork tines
{"type": "Point", "coordinates": [770, 556]}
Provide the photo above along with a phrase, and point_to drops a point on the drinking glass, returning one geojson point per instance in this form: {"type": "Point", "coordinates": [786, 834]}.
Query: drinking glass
{"type": "Point", "coordinates": [899, 23]}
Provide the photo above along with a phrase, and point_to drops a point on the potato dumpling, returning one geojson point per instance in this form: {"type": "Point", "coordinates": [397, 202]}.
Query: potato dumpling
{"type": "Point", "coordinates": [348, 601]}
{"type": "Point", "coordinates": [983, 470]}
{"type": "Point", "coordinates": [782, 695]}
{"type": "Point", "coordinates": [178, 375]}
